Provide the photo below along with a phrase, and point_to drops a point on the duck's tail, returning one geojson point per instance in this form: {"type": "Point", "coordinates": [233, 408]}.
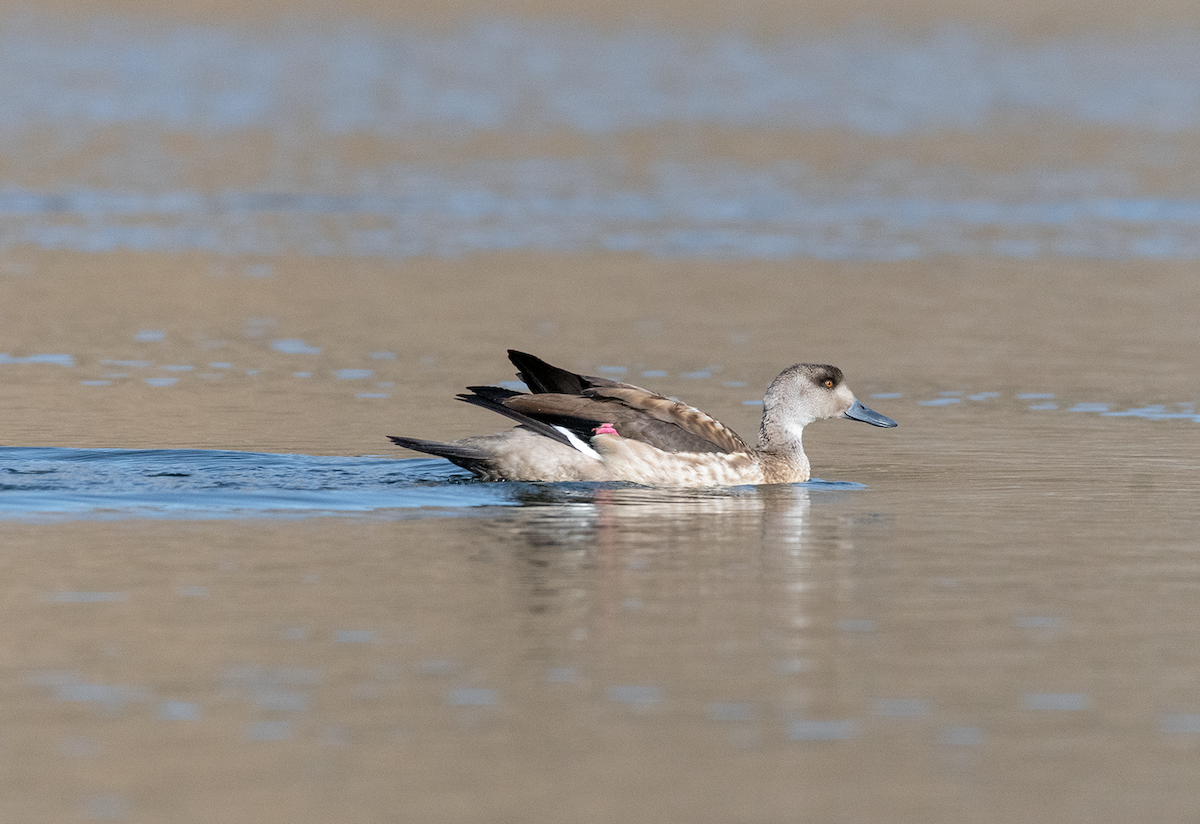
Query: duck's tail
{"type": "Point", "coordinates": [468, 457]}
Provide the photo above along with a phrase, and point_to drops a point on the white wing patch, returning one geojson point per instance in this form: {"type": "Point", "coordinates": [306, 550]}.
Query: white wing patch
{"type": "Point", "coordinates": [586, 449]}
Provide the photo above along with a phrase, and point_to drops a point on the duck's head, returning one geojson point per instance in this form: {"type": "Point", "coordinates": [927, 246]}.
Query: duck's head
{"type": "Point", "coordinates": [810, 392]}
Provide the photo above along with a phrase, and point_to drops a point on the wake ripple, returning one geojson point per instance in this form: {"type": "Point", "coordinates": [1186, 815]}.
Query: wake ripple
{"type": "Point", "coordinates": [57, 484]}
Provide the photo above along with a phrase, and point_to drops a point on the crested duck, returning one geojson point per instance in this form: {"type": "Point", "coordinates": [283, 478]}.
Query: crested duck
{"type": "Point", "coordinates": [581, 428]}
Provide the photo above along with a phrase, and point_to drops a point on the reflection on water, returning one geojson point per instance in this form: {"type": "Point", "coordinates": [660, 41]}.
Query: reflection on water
{"type": "Point", "coordinates": [745, 647]}
{"type": "Point", "coordinates": [606, 649]}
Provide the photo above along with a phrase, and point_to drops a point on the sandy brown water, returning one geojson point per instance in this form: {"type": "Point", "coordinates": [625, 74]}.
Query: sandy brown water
{"type": "Point", "coordinates": [994, 618]}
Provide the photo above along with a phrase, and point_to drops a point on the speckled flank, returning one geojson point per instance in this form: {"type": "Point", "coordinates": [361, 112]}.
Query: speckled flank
{"type": "Point", "coordinates": [630, 460]}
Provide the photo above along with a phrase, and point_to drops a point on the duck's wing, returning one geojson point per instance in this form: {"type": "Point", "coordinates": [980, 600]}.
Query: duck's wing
{"type": "Point", "coordinates": [543, 378]}
{"type": "Point", "coordinates": [669, 424]}
{"type": "Point", "coordinates": [579, 403]}
{"type": "Point", "coordinates": [497, 399]}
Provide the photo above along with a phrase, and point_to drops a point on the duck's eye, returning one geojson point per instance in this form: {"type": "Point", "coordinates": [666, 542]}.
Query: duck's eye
{"type": "Point", "coordinates": [828, 383]}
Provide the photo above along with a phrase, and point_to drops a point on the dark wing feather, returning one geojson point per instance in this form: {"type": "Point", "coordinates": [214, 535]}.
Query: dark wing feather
{"type": "Point", "coordinates": [467, 457]}
{"type": "Point", "coordinates": [497, 393]}
{"type": "Point", "coordinates": [496, 399]}
{"type": "Point", "coordinates": [541, 377]}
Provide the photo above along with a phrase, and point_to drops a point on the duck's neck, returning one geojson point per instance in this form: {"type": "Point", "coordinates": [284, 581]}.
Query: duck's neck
{"type": "Point", "coordinates": [779, 441]}
{"type": "Point", "coordinates": [780, 436]}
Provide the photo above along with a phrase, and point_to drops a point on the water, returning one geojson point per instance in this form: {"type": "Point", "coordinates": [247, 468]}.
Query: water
{"type": "Point", "coordinates": [363, 97]}
{"type": "Point", "coordinates": [720, 210]}
{"type": "Point", "coordinates": [238, 252]}
{"type": "Point", "coordinates": [44, 484]}
{"type": "Point", "coordinates": [523, 76]}
{"type": "Point", "coordinates": [49, 483]}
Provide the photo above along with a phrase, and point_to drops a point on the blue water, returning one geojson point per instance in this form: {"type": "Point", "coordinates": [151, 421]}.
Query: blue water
{"type": "Point", "coordinates": [51, 483]}
{"type": "Point", "coordinates": [60, 483]}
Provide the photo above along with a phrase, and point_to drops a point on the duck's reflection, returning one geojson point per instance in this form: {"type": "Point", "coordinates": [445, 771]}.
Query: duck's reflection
{"type": "Point", "coordinates": [749, 586]}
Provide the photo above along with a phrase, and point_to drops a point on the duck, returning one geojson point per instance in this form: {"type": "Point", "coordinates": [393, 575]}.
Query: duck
{"type": "Point", "coordinates": [573, 427]}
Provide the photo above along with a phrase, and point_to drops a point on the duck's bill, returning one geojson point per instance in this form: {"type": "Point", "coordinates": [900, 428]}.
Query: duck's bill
{"type": "Point", "coordinates": [858, 412]}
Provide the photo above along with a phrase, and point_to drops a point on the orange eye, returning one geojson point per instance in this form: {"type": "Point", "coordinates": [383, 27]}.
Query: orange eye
{"type": "Point", "coordinates": [829, 383]}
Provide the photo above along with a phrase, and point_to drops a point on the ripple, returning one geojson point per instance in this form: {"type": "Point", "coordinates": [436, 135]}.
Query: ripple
{"type": "Point", "coordinates": [51, 483]}
{"type": "Point", "coordinates": [294, 346]}
{"type": "Point", "coordinates": [60, 483]}
{"type": "Point", "coordinates": [57, 360]}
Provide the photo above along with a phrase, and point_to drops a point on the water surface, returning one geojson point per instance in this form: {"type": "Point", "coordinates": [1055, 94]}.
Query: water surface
{"type": "Point", "coordinates": [235, 256]}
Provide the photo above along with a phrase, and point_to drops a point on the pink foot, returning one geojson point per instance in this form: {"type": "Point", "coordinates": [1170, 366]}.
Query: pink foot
{"type": "Point", "coordinates": [606, 429]}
